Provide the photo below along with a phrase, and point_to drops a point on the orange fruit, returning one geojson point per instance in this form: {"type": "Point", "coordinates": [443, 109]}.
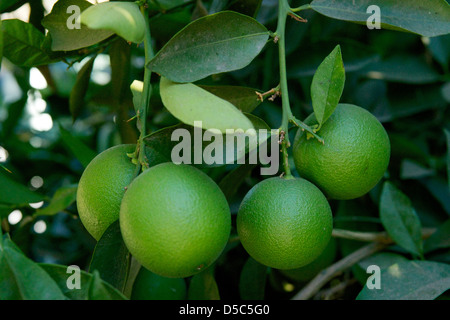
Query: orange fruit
{"type": "Point", "coordinates": [284, 223]}
{"type": "Point", "coordinates": [306, 273]}
{"type": "Point", "coordinates": [102, 186]}
{"type": "Point", "coordinates": [354, 157]}
{"type": "Point", "coordinates": [175, 220]}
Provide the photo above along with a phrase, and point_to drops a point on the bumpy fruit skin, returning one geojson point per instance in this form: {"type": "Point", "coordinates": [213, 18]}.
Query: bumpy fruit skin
{"type": "Point", "coordinates": [102, 186]}
{"type": "Point", "coordinates": [354, 157]}
{"type": "Point", "coordinates": [150, 286]}
{"type": "Point", "coordinates": [306, 273]}
{"type": "Point", "coordinates": [175, 220]}
{"type": "Point", "coordinates": [284, 223]}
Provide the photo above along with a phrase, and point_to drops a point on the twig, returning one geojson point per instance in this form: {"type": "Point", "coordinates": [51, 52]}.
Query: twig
{"type": "Point", "coordinates": [330, 293]}
{"type": "Point", "coordinates": [329, 273]}
{"type": "Point", "coordinates": [381, 241]}
{"type": "Point", "coordinates": [381, 237]}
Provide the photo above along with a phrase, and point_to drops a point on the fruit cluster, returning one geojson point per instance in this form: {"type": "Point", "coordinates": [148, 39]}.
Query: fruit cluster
{"type": "Point", "coordinates": [176, 221]}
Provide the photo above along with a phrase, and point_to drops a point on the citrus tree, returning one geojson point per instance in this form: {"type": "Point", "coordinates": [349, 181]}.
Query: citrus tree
{"type": "Point", "coordinates": [244, 149]}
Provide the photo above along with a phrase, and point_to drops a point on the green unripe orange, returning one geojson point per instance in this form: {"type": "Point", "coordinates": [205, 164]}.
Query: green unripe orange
{"type": "Point", "coordinates": [102, 186]}
{"type": "Point", "coordinates": [175, 220]}
{"type": "Point", "coordinates": [306, 273]}
{"type": "Point", "coordinates": [284, 223]}
{"type": "Point", "coordinates": [353, 158]}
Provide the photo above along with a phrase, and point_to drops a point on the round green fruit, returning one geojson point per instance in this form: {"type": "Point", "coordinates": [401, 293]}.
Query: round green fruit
{"type": "Point", "coordinates": [284, 223]}
{"type": "Point", "coordinates": [306, 273]}
{"type": "Point", "coordinates": [175, 220]}
{"type": "Point", "coordinates": [353, 158]}
{"type": "Point", "coordinates": [102, 186]}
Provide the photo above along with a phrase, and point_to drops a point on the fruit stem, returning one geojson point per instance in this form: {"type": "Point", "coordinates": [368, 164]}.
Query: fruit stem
{"type": "Point", "coordinates": [142, 116]}
{"type": "Point", "coordinates": [283, 11]}
{"type": "Point", "coordinates": [301, 8]}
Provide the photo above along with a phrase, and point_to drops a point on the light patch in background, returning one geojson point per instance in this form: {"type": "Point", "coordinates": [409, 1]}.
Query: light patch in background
{"type": "Point", "coordinates": [37, 80]}
{"type": "Point", "coordinates": [40, 227]}
{"type": "Point", "coordinates": [36, 142]}
{"type": "Point", "coordinates": [23, 13]}
{"type": "Point", "coordinates": [101, 71]}
{"type": "Point", "coordinates": [42, 122]}
{"type": "Point", "coordinates": [35, 103]}
{"type": "Point", "coordinates": [36, 106]}
{"type": "Point", "coordinates": [15, 217]}
{"type": "Point", "coordinates": [36, 205]}
{"type": "Point", "coordinates": [3, 154]}
{"type": "Point", "coordinates": [37, 182]}
{"type": "Point", "coordinates": [9, 88]}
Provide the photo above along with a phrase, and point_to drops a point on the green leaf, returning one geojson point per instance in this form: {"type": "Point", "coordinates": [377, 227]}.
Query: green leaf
{"type": "Point", "coordinates": [247, 7]}
{"type": "Point", "coordinates": [220, 42]}
{"type": "Point", "coordinates": [73, 38]}
{"type": "Point", "coordinates": [5, 210]}
{"type": "Point", "coordinates": [252, 281]}
{"type": "Point", "coordinates": [62, 199]}
{"type": "Point", "coordinates": [82, 152]}
{"type": "Point", "coordinates": [382, 259]}
{"type": "Point", "coordinates": [413, 170]}
{"type": "Point", "coordinates": [61, 276]}
{"type": "Point", "coordinates": [447, 135]}
{"type": "Point", "coordinates": [190, 103]}
{"type": "Point", "coordinates": [97, 289]}
{"type": "Point", "coordinates": [111, 257]}
{"type": "Point", "coordinates": [439, 239]}
{"type": "Point", "coordinates": [165, 5]}
{"type": "Point", "coordinates": [327, 86]}
{"type": "Point", "coordinates": [22, 44]}
{"type": "Point", "coordinates": [410, 280]}
{"type": "Point", "coordinates": [440, 49]}
{"type": "Point", "coordinates": [123, 18]}
{"type": "Point", "coordinates": [137, 88]}
{"type": "Point", "coordinates": [400, 219]}
{"type": "Point", "coordinates": [231, 182]}
{"type": "Point", "coordinates": [403, 69]}
{"type": "Point", "coordinates": [78, 93]}
{"type": "Point", "coordinates": [427, 19]}
{"type": "Point", "coordinates": [160, 144]}
{"type": "Point", "coordinates": [8, 4]}
{"type": "Point", "coordinates": [203, 286]}
{"type": "Point", "coordinates": [243, 98]}
{"type": "Point", "coordinates": [1, 44]}
{"type": "Point", "coordinates": [23, 279]}
{"type": "Point", "coordinates": [445, 92]}
{"type": "Point", "coordinates": [16, 193]}
{"type": "Point", "coordinates": [357, 56]}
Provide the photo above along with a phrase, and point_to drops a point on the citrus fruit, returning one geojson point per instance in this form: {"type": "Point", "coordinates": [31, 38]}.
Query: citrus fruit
{"type": "Point", "coordinates": [175, 220]}
{"type": "Point", "coordinates": [284, 223]}
{"type": "Point", "coordinates": [150, 286]}
{"type": "Point", "coordinates": [102, 186]}
{"type": "Point", "coordinates": [306, 273]}
{"type": "Point", "coordinates": [353, 158]}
